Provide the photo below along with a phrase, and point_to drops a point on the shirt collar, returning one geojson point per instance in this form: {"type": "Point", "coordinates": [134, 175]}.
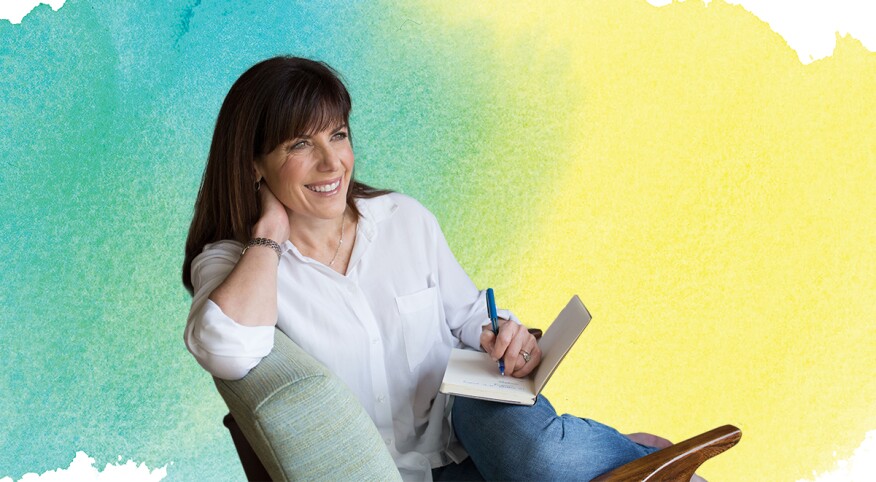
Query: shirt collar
{"type": "Point", "coordinates": [374, 210]}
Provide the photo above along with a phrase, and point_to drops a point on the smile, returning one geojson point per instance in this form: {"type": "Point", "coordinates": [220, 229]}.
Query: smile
{"type": "Point", "coordinates": [324, 188]}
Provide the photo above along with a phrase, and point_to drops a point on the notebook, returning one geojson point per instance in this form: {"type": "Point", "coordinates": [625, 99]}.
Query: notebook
{"type": "Point", "coordinates": [473, 374]}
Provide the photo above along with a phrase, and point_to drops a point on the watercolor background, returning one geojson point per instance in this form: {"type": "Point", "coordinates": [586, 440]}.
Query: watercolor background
{"type": "Point", "coordinates": [708, 195]}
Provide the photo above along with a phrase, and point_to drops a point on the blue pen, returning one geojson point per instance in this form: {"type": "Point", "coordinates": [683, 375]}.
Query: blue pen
{"type": "Point", "coordinates": [494, 318]}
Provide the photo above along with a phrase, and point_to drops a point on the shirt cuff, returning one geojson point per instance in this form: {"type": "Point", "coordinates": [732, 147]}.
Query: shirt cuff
{"type": "Point", "coordinates": [506, 314]}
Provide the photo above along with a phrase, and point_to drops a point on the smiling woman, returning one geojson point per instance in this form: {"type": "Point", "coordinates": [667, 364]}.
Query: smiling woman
{"type": "Point", "coordinates": [365, 282]}
{"type": "Point", "coordinates": [284, 118]}
{"type": "Point", "coordinates": [310, 176]}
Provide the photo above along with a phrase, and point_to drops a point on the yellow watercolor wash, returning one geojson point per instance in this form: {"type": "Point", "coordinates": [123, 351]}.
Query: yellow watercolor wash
{"type": "Point", "coordinates": [713, 204]}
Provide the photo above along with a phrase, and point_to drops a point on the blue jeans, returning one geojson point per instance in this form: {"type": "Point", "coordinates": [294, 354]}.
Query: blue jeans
{"type": "Point", "coordinates": [513, 442]}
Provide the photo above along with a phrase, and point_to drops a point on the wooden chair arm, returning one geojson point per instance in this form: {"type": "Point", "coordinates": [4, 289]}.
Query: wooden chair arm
{"type": "Point", "coordinates": [678, 462]}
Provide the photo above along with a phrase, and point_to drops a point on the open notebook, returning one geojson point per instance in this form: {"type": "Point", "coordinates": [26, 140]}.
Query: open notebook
{"type": "Point", "coordinates": [473, 374]}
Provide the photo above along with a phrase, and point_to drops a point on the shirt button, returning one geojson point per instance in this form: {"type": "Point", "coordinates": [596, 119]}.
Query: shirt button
{"type": "Point", "coordinates": [351, 289]}
{"type": "Point", "coordinates": [375, 341]}
{"type": "Point", "coordinates": [388, 441]}
{"type": "Point", "coordinates": [380, 399]}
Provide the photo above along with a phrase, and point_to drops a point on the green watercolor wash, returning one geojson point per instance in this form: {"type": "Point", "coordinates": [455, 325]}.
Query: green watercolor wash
{"type": "Point", "coordinates": [108, 111]}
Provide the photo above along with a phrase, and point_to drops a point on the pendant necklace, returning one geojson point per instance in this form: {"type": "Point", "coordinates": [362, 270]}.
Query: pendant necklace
{"type": "Point", "coordinates": [340, 240]}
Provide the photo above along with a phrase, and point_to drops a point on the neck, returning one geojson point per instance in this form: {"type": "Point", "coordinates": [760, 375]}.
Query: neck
{"type": "Point", "coordinates": [314, 235]}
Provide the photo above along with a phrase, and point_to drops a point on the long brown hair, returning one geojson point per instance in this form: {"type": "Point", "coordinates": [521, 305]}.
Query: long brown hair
{"type": "Point", "coordinates": [272, 102]}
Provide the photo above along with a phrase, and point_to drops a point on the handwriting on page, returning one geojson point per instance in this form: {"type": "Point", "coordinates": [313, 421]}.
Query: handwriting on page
{"type": "Point", "coordinates": [505, 383]}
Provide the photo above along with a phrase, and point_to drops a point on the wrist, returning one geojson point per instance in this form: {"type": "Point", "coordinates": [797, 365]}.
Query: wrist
{"type": "Point", "coordinates": [263, 242]}
{"type": "Point", "coordinates": [265, 230]}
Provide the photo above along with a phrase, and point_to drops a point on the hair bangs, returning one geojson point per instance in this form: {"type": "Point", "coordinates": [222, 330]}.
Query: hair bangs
{"type": "Point", "coordinates": [310, 104]}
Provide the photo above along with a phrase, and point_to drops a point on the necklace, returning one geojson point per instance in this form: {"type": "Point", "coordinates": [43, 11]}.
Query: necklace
{"type": "Point", "coordinates": [340, 240]}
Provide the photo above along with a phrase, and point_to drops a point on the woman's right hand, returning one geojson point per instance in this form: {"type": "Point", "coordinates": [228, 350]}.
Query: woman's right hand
{"type": "Point", "coordinates": [249, 294]}
{"type": "Point", "coordinates": [273, 220]}
{"type": "Point", "coordinates": [512, 341]}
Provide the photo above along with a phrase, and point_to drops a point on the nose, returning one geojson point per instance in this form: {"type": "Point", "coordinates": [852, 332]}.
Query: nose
{"type": "Point", "coordinates": [329, 159]}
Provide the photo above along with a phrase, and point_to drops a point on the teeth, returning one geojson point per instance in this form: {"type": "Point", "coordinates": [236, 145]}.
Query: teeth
{"type": "Point", "coordinates": [325, 188]}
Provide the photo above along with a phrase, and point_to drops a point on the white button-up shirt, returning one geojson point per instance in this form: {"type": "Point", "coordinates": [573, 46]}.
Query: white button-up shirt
{"type": "Point", "coordinates": [385, 328]}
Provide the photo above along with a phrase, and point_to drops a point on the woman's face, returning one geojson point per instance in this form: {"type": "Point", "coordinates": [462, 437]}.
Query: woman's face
{"type": "Point", "coordinates": [311, 174]}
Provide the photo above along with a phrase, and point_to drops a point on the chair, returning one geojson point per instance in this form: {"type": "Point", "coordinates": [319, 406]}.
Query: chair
{"type": "Point", "coordinates": [292, 420]}
{"type": "Point", "coordinates": [303, 422]}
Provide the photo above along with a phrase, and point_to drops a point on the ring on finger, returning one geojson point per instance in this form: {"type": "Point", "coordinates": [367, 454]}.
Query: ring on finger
{"type": "Point", "coordinates": [526, 356]}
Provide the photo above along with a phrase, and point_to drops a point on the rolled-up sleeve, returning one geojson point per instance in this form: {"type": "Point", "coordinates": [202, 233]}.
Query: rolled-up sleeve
{"type": "Point", "coordinates": [225, 348]}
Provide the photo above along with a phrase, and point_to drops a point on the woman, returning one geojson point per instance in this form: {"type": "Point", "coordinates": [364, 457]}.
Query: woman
{"type": "Point", "coordinates": [364, 281]}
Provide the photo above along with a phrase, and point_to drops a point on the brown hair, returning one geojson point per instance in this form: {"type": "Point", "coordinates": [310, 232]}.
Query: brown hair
{"type": "Point", "coordinates": [272, 102]}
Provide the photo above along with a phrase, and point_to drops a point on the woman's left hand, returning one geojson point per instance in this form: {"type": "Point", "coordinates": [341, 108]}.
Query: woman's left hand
{"type": "Point", "coordinates": [512, 341]}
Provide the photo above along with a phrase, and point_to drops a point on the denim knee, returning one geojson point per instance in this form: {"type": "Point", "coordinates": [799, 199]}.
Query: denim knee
{"type": "Point", "coordinates": [509, 442]}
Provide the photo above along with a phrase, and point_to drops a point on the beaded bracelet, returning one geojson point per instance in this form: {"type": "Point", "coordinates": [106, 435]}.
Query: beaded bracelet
{"type": "Point", "coordinates": [269, 243]}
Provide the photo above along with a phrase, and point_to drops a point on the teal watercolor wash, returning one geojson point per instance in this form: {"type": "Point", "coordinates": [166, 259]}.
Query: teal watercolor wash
{"type": "Point", "coordinates": [108, 110]}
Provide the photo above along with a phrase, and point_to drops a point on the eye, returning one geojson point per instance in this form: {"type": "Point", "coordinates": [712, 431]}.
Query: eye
{"type": "Point", "coordinates": [339, 136]}
{"type": "Point", "coordinates": [294, 146]}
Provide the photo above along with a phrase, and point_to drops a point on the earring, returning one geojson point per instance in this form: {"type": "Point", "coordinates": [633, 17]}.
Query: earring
{"type": "Point", "coordinates": [258, 185]}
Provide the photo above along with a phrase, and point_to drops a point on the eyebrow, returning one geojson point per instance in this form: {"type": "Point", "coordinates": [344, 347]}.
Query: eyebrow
{"type": "Point", "coordinates": [333, 131]}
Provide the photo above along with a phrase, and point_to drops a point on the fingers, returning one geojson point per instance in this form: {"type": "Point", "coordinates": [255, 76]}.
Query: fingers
{"type": "Point", "coordinates": [273, 217]}
{"type": "Point", "coordinates": [513, 359]}
{"type": "Point", "coordinates": [511, 341]}
{"type": "Point", "coordinates": [503, 340]}
{"type": "Point", "coordinates": [266, 196]}
{"type": "Point", "coordinates": [488, 339]}
{"type": "Point", "coordinates": [524, 367]}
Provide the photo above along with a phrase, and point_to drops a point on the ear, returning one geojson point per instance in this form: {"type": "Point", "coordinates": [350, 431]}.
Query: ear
{"type": "Point", "coordinates": [257, 171]}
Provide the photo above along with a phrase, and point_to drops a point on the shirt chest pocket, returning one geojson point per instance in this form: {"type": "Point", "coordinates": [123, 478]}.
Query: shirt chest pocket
{"type": "Point", "coordinates": [420, 315]}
